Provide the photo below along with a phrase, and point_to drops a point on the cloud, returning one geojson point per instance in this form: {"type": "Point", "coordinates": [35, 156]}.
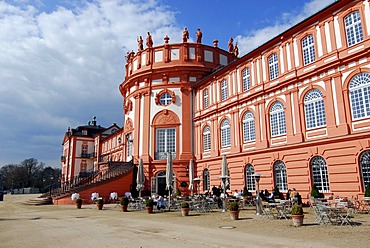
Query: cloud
{"type": "Point", "coordinates": [61, 66]}
{"type": "Point", "coordinates": [257, 37]}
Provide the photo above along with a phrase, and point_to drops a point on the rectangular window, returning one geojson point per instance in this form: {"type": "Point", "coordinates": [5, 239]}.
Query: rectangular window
{"type": "Point", "coordinates": [224, 93]}
{"type": "Point", "coordinates": [308, 47]}
{"type": "Point", "coordinates": [273, 66]}
{"type": "Point", "coordinates": [205, 98]}
{"type": "Point", "coordinates": [165, 142]}
{"type": "Point", "coordinates": [246, 79]}
{"type": "Point", "coordinates": [353, 26]}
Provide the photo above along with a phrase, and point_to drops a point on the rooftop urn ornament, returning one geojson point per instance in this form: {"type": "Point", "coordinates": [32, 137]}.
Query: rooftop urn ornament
{"type": "Point", "coordinates": [166, 39]}
{"type": "Point", "coordinates": [215, 43]}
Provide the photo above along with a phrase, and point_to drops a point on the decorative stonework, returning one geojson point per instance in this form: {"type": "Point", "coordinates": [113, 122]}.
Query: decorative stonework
{"type": "Point", "coordinates": [157, 96]}
{"type": "Point", "coordinates": [128, 125]}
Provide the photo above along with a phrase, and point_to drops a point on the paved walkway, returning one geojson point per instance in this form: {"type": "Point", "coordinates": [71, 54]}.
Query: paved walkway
{"type": "Point", "coordinates": [65, 226]}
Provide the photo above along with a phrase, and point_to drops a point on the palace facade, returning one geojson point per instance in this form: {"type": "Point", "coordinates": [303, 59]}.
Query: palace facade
{"type": "Point", "coordinates": [296, 109]}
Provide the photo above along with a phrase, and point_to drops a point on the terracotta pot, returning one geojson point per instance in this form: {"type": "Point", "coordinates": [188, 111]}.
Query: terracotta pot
{"type": "Point", "coordinates": [100, 206]}
{"type": "Point", "coordinates": [234, 215]}
{"type": "Point", "coordinates": [79, 205]}
{"type": "Point", "coordinates": [149, 210]}
{"type": "Point", "coordinates": [184, 211]}
{"type": "Point", "coordinates": [124, 208]}
{"type": "Point", "coordinates": [297, 219]}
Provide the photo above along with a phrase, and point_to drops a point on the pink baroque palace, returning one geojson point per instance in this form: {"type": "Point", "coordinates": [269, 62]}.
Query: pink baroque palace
{"type": "Point", "coordinates": [295, 110]}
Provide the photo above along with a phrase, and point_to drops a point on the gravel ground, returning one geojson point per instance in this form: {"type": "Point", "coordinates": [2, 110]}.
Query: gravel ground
{"type": "Point", "coordinates": [65, 226]}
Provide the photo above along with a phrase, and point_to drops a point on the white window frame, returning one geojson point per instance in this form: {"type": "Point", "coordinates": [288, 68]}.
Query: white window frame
{"type": "Point", "coordinates": [314, 109]}
{"type": "Point", "coordinates": [320, 174]}
{"type": "Point", "coordinates": [249, 129]}
{"type": "Point", "coordinates": [165, 98]}
{"type": "Point", "coordinates": [205, 98]}
{"type": "Point", "coordinates": [273, 66]}
{"type": "Point", "coordinates": [246, 79]}
{"type": "Point", "coordinates": [353, 26]}
{"type": "Point", "coordinates": [359, 95]}
{"type": "Point", "coordinates": [225, 133]}
{"type": "Point", "coordinates": [224, 90]}
{"type": "Point", "coordinates": [308, 47]}
{"type": "Point", "coordinates": [165, 142]}
{"type": "Point", "coordinates": [206, 138]}
{"type": "Point", "coordinates": [277, 119]}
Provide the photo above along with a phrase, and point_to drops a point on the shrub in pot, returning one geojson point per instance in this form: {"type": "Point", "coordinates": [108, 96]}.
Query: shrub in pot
{"type": "Point", "coordinates": [124, 203]}
{"type": "Point", "coordinates": [185, 208]}
{"type": "Point", "coordinates": [78, 202]}
{"type": "Point", "coordinates": [149, 203]}
{"type": "Point", "coordinates": [100, 203]}
{"type": "Point", "coordinates": [234, 210]}
{"type": "Point", "coordinates": [297, 215]}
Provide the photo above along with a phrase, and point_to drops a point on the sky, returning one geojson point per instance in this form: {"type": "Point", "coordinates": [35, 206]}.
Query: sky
{"type": "Point", "coordinates": [62, 61]}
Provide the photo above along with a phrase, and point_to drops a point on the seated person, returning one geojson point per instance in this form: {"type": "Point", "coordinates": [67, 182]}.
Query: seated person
{"type": "Point", "coordinates": [160, 203]}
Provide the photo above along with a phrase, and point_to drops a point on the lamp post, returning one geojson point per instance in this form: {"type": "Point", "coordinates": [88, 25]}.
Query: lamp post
{"type": "Point", "coordinates": [197, 180]}
{"type": "Point", "coordinates": [223, 178]}
{"type": "Point", "coordinates": [51, 182]}
{"type": "Point", "coordinates": [257, 177]}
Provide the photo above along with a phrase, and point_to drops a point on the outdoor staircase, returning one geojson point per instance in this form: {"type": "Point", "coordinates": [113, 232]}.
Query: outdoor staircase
{"type": "Point", "coordinates": [112, 171]}
{"type": "Point", "coordinates": [39, 201]}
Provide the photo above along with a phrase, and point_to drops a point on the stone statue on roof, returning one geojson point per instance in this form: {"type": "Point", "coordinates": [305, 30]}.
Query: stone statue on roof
{"type": "Point", "coordinates": [199, 36]}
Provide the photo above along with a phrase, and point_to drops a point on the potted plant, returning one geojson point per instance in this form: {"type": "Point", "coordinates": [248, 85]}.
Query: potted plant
{"type": "Point", "coordinates": [149, 205]}
{"type": "Point", "coordinates": [185, 208]}
{"type": "Point", "coordinates": [297, 215]}
{"type": "Point", "coordinates": [124, 203]}
{"type": "Point", "coordinates": [178, 192]}
{"type": "Point", "coordinates": [315, 192]}
{"type": "Point", "coordinates": [234, 210]}
{"type": "Point", "coordinates": [78, 202]}
{"type": "Point", "coordinates": [367, 192]}
{"type": "Point", "coordinates": [100, 203]}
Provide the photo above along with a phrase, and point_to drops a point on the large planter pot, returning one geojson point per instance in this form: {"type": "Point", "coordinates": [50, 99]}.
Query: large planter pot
{"type": "Point", "coordinates": [297, 220]}
{"type": "Point", "coordinates": [99, 206]}
{"type": "Point", "coordinates": [234, 215]}
{"type": "Point", "coordinates": [184, 211]}
{"type": "Point", "coordinates": [149, 210]}
{"type": "Point", "coordinates": [79, 205]}
{"type": "Point", "coordinates": [124, 208]}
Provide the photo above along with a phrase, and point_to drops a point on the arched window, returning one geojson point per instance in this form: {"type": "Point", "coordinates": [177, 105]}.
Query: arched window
{"type": "Point", "coordinates": [320, 174]}
{"type": "Point", "coordinates": [359, 92]}
{"type": "Point", "coordinates": [249, 178]}
{"type": "Point", "coordinates": [205, 98]}
{"type": "Point", "coordinates": [249, 132]}
{"type": "Point", "coordinates": [224, 90]}
{"type": "Point", "coordinates": [353, 26]}
{"type": "Point", "coordinates": [308, 47]}
{"type": "Point", "coordinates": [206, 180]}
{"type": "Point", "coordinates": [365, 168]}
{"type": "Point", "coordinates": [225, 133]}
{"type": "Point", "coordinates": [314, 109]}
{"type": "Point", "coordinates": [277, 119]}
{"type": "Point", "coordinates": [280, 176]}
{"type": "Point", "coordinates": [207, 138]}
{"type": "Point", "coordinates": [246, 79]}
{"type": "Point", "coordinates": [273, 66]}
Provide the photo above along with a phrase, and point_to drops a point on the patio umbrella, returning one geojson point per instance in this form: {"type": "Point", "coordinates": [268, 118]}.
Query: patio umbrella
{"type": "Point", "coordinates": [169, 177]}
{"type": "Point", "coordinates": [224, 172]}
{"type": "Point", "coordinates": [191, 176]}
{"type": "Point", "coordinates": [140, 178]}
